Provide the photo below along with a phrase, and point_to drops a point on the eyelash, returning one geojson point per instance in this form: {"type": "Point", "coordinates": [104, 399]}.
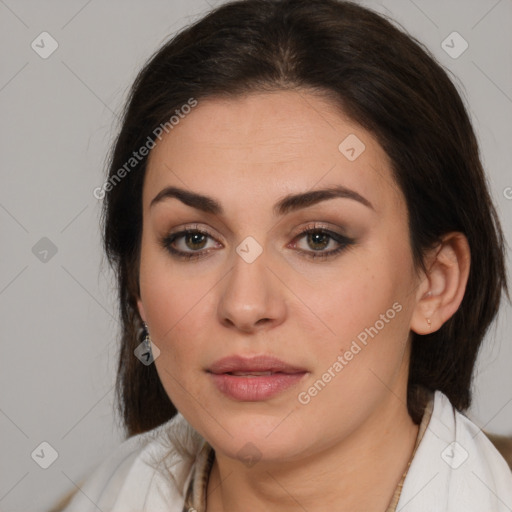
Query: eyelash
{"type": "Point", "coordinates": [344, 242]}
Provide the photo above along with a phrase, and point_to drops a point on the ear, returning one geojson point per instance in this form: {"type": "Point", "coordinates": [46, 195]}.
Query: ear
{"type": "Point", "coordinates": [140, 307]}
{"type": "Point", "coordinates": [442, 288]}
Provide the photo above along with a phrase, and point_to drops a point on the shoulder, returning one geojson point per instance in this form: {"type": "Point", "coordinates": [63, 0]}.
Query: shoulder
{"type": "Point", "coordinates": [149, 471]}
{"type": "Point", "coordinates": [456, 467]}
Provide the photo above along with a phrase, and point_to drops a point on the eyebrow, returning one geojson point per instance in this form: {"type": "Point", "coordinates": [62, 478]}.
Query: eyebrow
{"type": "Point", "coordinates": [289, 203]}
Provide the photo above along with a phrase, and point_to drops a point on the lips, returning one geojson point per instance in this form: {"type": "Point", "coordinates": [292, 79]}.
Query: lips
{"type": "Point", "coordinates": [250, 374]}
{"type": "Point", "coordinates": [255, 366]}
{"type": "Point", "coordinates": [254, 379]}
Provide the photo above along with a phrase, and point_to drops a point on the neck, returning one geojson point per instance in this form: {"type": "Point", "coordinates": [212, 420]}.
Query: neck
{"type": "Point", "coordinates": [360, 473]}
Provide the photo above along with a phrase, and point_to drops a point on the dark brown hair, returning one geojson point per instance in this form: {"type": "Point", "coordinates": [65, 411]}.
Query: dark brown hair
{"type": "Point", "coordinates": [382, 79]}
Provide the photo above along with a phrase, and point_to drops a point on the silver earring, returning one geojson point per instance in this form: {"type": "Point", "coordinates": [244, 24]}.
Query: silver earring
{"type": "Point", "coordinates": [147, 339]}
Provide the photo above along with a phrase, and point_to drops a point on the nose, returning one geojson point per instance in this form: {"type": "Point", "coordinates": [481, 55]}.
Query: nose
{"type": "Point", "coordinates": [252, 298]}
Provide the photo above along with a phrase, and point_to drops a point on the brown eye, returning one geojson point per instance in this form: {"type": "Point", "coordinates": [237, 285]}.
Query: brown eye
{"type": "Point", "coordinates": [189, 243]}
{"type": "Point", "coordinates": [195, 241]}
{"type": "Point", "coordinates": [318, 241]}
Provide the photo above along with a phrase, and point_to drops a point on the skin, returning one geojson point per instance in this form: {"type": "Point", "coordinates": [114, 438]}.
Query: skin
{"type": "Point", "coordinates": [347, 448]}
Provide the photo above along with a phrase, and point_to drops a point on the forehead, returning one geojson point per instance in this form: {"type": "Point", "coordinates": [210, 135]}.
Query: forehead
{"type": "Point", "coordinates": [269, 144]}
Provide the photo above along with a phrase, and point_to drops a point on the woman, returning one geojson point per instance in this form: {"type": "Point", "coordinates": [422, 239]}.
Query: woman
{"type": "Point", "coordinates": [308, 260]}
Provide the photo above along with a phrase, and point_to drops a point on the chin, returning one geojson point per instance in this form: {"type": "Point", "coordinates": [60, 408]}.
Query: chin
{"type": "Point", "coordinates": [255, 436]}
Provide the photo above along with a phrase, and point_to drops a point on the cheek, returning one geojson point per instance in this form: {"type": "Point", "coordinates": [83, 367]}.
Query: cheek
{"type": "Point", "coordinates": [172, 302]}
{"type": "Point", "coordinates": [358, 366]}
{"type": "Point", "coordinates": [364, 312]}
{"type": "Point", "coordinates": [353, 297]}
{"type": "Point", "coordinates": [175, 310]}
{"type": "Point", "coordinates": [174, 315]}
{"type": "Point", "coordinates": [168, 296]}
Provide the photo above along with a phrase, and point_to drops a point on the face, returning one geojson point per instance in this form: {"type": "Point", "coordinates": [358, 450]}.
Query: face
{"type": "Point", "coordinates": [269, 230]}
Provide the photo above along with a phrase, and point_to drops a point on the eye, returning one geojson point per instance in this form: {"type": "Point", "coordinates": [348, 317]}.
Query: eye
{"type": "Point", "coordinates": [194, 243]}
{"type": "Point", "coordinates": [189, 243]}
{"type": "Point", "coordinates": [319, 239]}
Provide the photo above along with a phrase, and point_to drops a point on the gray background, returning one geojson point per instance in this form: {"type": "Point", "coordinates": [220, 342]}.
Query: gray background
{"type": "Point", "coordinates": [58, 118]}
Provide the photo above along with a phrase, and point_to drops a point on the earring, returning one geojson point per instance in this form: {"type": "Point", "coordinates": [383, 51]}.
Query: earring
{"type": "Point", "coordinates": [429, 322]}
{"type": "Point", "coordinates": [147, 339]}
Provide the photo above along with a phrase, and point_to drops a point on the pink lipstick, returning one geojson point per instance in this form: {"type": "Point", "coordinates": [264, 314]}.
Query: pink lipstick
{"type": "Point", "coordinates": [254, 378]}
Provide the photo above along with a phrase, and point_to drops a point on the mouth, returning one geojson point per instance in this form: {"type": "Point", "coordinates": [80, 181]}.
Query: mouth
{"type": "Point", "coordinates": [255, 366]}
{"type": "Point", "coordinates": [251, 374]}
{"type": "Point", "coordinates": [254, 379]}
